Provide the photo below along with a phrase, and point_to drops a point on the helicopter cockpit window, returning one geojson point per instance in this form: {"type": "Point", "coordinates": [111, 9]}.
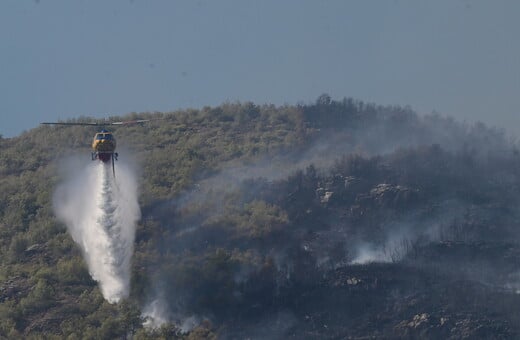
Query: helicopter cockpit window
{"type": "Point", "coordinates": [104, 136]}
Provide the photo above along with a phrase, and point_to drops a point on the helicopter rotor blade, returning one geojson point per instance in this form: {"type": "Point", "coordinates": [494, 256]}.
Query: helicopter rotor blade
{"type": "Point", "coordinates": [80, 124]}
{"type": "Point", "coordinates": [128, 122]}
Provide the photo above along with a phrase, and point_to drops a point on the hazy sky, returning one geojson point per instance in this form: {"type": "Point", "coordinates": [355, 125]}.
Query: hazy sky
{"type": "Point", "coordinates": [65, 58]}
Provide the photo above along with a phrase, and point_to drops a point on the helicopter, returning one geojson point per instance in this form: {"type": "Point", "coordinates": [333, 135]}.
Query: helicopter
{"type": "Point", "coordinates": [104, 142]}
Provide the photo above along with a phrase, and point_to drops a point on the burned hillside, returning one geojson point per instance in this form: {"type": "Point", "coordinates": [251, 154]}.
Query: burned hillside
{"type": "Point", "coordinates": [419, 241]}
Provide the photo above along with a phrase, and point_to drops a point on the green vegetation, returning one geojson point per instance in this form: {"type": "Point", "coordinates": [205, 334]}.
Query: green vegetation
{"type": "Point", "coordinates": [253, 216]}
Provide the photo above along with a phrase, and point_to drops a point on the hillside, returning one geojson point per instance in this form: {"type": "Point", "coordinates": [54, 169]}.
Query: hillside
{"type": "Point", "coordinates": [328, 220]}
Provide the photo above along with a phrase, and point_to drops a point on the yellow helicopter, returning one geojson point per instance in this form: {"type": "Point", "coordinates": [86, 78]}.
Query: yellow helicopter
{"type": "Point", "coordinates": [104, 142]}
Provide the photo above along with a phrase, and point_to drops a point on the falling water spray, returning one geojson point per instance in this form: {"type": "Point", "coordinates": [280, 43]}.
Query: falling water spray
{"type": "Point", "coordinates": [101, 212]}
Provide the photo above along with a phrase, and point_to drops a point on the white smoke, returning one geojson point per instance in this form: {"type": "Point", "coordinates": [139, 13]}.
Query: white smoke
{"type": "Point", "coordinates": [368, 253]}
{"type": "Point", "coordinates": [398, 242]}
{"type": "Point", "coordinates": [156, 314]}
{"type": "Point", "coordinates": [101, 212]}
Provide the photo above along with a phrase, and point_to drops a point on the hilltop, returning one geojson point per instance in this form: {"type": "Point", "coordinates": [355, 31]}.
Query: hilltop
{"type": "Point", "coordinates": [333, 219]}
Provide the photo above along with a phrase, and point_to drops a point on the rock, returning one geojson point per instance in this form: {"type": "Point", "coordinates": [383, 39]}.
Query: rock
{"type": "Point", "coordinates": [326, 198]}
{"type": "Point", "coordinates": [388, 195]}
{"type": "Point", "coordinates": [419, 319]}
{"type": "Point", "coordinates": [35, 247]}
{"type": "Point", "coordinates": [323, 195]}
{"type": "Point", "coordinates": [353, 281]}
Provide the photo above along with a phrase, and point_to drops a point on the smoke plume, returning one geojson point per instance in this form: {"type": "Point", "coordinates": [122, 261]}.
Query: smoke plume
{"type": "Point", "coordinates": [100, 212]}
{"type": "Point", "coordinates": [156, 314]}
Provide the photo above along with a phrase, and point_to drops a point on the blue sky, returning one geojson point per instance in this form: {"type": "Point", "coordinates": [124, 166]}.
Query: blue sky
{"type": "Point", "coordinates": [65, 58]}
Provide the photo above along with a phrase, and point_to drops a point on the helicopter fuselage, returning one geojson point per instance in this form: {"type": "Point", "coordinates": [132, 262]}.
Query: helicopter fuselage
{"type": "Point", "coordinates": [104, 146]}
